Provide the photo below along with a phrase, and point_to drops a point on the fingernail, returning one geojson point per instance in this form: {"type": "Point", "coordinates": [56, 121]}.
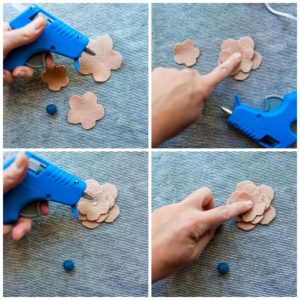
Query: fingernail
{"type": "Point", "coordinates": [20, 73]}
{"type": "Point", "coordinates": [20, 163]}
{"type": "Point", "coordinates": [249, 203]}
{"type": "Point", "coordinates": [38, 23]}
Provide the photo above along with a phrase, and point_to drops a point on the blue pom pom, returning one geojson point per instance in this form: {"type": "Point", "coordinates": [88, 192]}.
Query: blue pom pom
{"type": "Point", "coordinates": [69, 265]}
{"type": "Point", "coordinates": [51, 109]}
{"type": "Point", "coordinates": [223, 268]}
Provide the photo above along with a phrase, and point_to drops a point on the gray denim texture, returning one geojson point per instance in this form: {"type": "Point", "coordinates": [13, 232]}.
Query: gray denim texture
{"type": "Point", "coordinates": [111, 260]}
{"type": "Point", "coordinates": [208, 25]}
{"type": "Point", "coordinates": [263, 262]}
{"type": "Point", "coordinates": [124, 96]}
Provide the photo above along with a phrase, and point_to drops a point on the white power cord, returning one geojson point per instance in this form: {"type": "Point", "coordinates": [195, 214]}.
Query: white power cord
{"type": "Point", "coordinates": [279, 13]}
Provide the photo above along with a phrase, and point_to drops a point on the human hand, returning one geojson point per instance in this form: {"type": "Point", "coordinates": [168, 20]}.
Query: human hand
{"type": "Point", "coordinates": [13, 176]}
{"type": "Point", "coordinates": [178, 97]}
{"type": "Point", "coordinates": [15, 38]}
{"type": "Point", "coordinates": [181, 231]}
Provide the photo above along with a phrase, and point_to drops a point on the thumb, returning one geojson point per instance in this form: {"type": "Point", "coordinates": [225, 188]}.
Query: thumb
{"type": "Point", "coordinates": [221, 214]}
{"type": "Point", "coordinates": [18, 37]}
{"type": "Point", "coordinates": [223, 70]}
{"type": "Point", "coordinates": [15, 173]}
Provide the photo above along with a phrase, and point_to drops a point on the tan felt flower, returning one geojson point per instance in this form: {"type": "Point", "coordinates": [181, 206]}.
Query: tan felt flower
{"type": "Point", "coordinates": [261, 196]}
{"type": "Point", "coordinates": [241, 185]}
{"type": "Point", "coordinates": [111, 193]}
{"type": "Point", "coordinates": [258, 209]}
{"type": "Point", "coordinates": [234, 197]}
{"type": "Point", "coordinates": [267, 194]}
{"type": "Point", "coordinates": [103, 62]}
{"type": "Point", "coordinates": [245, 226]}
{"type": "Point", "coordinates": [241, 75]}
{"type": "Point", "coordinates": [251, 60]}
{"type": "Point", "coordinates": [186, 53]}
{"type": "Point", "coordinates": [81, 217]}
{"type": "Point", "coordinates": [247, 41]}
{"type": "Point", "coordinates": [268, 216]}
{"type": "Point", "coordinates": [251, 188]}
{"type": "Point", "coordinates": [257, 58]}
{"type": "Point", "coordinates": [114, 212]}
{"type": "Point", "coordinates": [244, 46]}
{"type": "Point", "coordinates": [101, 208]}
{"type": "Point", "coordinates": [90, 225]}
{"type": "Point", "coordinates": [92, 208]}
{"type": "Point", "coordinates": [267, 190]}
{"type": "Point", "coordinates": [85, 110]}
{"type": "Point", "coordinates": [257, 219]}
{"type": "Point", "coordinates": [102, 218]}
{"type": "Point", "coordinates": [56, 78]}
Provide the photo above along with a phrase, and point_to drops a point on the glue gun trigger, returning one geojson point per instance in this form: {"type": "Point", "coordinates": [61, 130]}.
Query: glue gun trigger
{"type": "Point", "coordinates": [37, 61]}
{"type": "Point", "coordinates": [31, 210]}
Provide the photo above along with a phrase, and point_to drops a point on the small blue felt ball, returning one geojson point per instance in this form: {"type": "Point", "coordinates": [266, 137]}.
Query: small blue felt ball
{"type": "Point", "coordinates": [69, 265]}
{"type": "Point", "coordinates": [51, 109]}
{"type": "Point", "coordinates": [223, 268]}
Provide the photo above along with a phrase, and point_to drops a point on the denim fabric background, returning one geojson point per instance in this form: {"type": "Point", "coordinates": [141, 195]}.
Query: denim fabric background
{"type": "Point", "coordinates": [111, 260]}
{"type": "Point", "coordinates": [208, 25]}
{"type": "Point", "coordinates": [263, 261]}
{"type": "Point", "coordinates": [124, 96]}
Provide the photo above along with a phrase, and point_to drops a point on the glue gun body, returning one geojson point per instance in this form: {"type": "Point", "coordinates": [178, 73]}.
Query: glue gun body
{"type": "Point", "coordinates": [45, 182]}
{"type": "Point", "coordinates": [57, 37]}
{"type": "Point", "coordinates": [270, 128]}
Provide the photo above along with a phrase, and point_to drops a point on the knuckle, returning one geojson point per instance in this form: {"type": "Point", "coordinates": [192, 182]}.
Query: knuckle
{"type": "Point", "coordinates": [200, 91]}
{"type": "Point", "coordinates": [9, 178]}
{"type": "Point", "coordinates": [190, 72]}
{"type": "Point", "coordinates": [189, 226]}
{"type": "Point", "coordinates": [204, 87]}
{"type": "Point", "coordinates": [193, 73]}
{"type": "Point", "coordinates": [26, 35]}
{"type": "Point", "coordinates": [224, 69]}
{"type": "Point", "coordinates": [224, 212]}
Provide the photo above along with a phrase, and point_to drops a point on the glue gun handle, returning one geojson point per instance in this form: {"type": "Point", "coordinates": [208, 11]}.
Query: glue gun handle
{"type": "Point", "coordinates": [15, 200]}
{"type": "Point", "coordinates": [57, 37]}
{"type": "Point", "coordinates": [20, 56]}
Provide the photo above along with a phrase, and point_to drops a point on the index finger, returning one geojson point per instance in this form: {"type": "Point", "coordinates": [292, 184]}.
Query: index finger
{"type": "Point", "coordinates": [18, 37]}
{"type": "Point", "coordinates": [221, 214]}
{"type": "Point", "coordinates": [223, 70]}
{"type": "Point", "coordinates": [15, 173]}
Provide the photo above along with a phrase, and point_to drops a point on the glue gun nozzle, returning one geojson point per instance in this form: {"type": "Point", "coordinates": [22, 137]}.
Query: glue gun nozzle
{"type": "Point", "coordinates": [226, 110]}
{"type": "Point", "coordinates": [89, 51]}
{"type": "Point", "coordinates": [88, 196]}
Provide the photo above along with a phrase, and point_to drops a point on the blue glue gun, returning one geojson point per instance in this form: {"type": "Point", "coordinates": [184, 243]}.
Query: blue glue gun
{"type": "Point", "coordinates": [43, 182]}
{"type": "Point", "coordinates": [57, 37]}
{"type": "Point", "coordinates": [271, 128]}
